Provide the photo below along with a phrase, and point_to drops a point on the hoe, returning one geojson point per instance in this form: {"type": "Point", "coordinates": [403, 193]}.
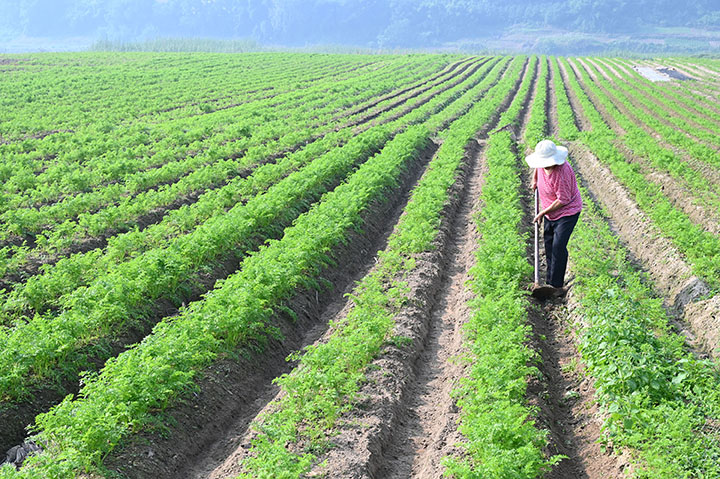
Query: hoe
{"type": "Point", "coordinates": [539, 292]}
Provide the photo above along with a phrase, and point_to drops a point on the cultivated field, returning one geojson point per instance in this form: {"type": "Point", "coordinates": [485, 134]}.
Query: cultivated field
{"type": "Point", "coordinates": [304, 265]}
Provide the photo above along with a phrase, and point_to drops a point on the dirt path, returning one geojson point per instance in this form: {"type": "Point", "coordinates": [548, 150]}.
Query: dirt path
{"type": "Point", "coordinates": [427, 431]}
{"type": "Point", "coordinates": [564, 396]}
{"type": "Point", "coordinates": [529, 102]}
{"type": "Point", "coordinates": [552, 105]}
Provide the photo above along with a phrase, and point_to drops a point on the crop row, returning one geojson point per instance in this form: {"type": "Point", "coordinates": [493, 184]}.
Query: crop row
{"type": "Point", "coordinates": [502, 438]}
{"type": "Point", "coordinates": [80, 143]}
{"type": "Point", "coordinates": [120, 216]}
{"type": "Point", "coordinates": [80, 432]}
{"type": "Point", "coordinates": [567, 126]}
{"type": "Point", "coordinates": [45, 290]}
{"type": "Point", "coordinates": [658, 399]}
{"type": "Point", "coordinates": [700, 247]}
{"type": "Point", "coordinates": [323, 386]}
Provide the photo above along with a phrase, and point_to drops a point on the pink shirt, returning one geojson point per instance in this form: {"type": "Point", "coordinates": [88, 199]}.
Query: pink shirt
{"type": "Point", "coordinates": [559, 184]}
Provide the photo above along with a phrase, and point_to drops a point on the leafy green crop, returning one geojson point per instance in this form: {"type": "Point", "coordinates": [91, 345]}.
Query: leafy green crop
{"type": "Point", "coordinates": [661, 401]}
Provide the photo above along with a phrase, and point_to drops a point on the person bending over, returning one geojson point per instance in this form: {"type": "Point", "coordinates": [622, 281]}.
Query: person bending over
{"type": "Point", "coordinates": [560, 205]}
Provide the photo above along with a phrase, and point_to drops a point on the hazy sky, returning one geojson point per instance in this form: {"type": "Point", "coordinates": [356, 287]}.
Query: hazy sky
{"type": "Point", "coordinates": [369, 23]}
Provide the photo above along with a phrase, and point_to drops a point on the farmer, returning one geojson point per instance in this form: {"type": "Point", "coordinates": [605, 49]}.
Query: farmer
{"type": "Point", "coordinates": [560, 205]}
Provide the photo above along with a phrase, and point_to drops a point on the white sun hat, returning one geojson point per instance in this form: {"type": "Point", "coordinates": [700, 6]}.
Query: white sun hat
{"type": "Point", "coordinates": [547, 154]}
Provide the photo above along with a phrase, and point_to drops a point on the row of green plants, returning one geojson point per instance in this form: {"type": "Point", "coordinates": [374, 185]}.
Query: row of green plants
{"type": "Point", "coordinates": [502, 439]}
{"type": "Point", "coordinates": [44, 291]}
{"type": "Point", "coordinates": [125, 296]}
{"type": "Point", "coordinates": [659, 401]}
{"type": "Point", "coordinates": [121, 215]}
{"type": "Point", "coordinates": [537, 125]}
{"type": "Point", "coordinates": [680, 132]}
{"type": "Point", "coordinates": [701, 248]}
{"type": "Point", "coordinates": [280, 115]}
{"type": "Point", "coordinates": [90, 158]}
{"type": "Point", "coordinates": [646, 146]}
{"type": "Point", "coordinates": [329, 374]}
{"type": "Point", "coordinates": [119, 400]}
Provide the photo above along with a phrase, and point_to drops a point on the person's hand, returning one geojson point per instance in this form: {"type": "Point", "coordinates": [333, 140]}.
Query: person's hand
{"type": "Point", "coordinates": [533, 185]}
{"type": "Point", "coordinates": [538, 218]}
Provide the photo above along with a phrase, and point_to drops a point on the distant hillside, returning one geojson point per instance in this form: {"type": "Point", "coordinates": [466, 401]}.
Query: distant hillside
{"type": "Point", "coordinates": [368, 23]}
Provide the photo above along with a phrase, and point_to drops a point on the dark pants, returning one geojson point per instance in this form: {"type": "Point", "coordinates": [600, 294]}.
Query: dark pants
{"type": "Point", "coordinates": [556, 236]}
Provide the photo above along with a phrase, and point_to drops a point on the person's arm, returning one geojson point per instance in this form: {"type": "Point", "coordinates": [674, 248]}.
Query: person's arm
{"type": "Point", "coordinates": [562, 194]}
{"type": "Point", "coordinates": [556, 205]}
{"type": "Point", "coordinates": [533, 182]}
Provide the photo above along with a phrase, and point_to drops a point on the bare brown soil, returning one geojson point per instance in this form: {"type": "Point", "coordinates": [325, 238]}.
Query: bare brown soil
{"type": "Point", "coordinates": [530, 101]}
{"type": "Point", "coordinates": [213, 423]}
{"type": "Point", "coordinates": [425, 426]}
